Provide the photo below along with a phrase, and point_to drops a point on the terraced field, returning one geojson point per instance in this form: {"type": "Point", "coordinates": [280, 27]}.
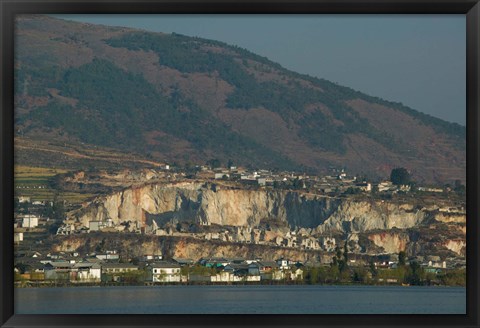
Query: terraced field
{"type": "Point", "coordinates": [33, 182]}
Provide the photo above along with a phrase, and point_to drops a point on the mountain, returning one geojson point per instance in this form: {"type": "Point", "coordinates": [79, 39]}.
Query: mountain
{"type": "Point", "coordinates": [174, 98]}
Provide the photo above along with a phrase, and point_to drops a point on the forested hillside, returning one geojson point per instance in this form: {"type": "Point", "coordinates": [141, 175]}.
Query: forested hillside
{"type": "Point", "coordinates": [173, 98]}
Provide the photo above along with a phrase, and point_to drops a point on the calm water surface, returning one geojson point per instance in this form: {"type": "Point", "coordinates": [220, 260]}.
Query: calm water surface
{"type": "Point", "coordinates": [241, 299]}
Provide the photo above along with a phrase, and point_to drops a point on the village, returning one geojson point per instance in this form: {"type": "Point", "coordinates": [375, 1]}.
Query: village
{"type": "Point", "coordinates": [71, 268]}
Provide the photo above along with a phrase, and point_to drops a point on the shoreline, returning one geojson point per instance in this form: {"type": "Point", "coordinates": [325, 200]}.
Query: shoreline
{"type": "Point", "coordinates": [70, 285]}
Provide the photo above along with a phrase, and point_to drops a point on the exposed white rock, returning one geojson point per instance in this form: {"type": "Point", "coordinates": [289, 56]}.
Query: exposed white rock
{"type": "Point", "coordinates": [246, 209]}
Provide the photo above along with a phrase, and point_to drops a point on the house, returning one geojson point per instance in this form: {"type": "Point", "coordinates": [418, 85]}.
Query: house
{"type": "Point", "coordinates": [116, 271]}
{"type": "Point", "coordinates": [86, 272]}
{"type": "Point", "coordinates": [58, 271]}
{"type": "Point", "coordinates": [238, 269]}
{"type": "Point", "coordinates": [164, 272]}
{"type": "Point", "coordinates": [30, 221]}
{"type": "Point", "coordinates": [100, 225]}
{"type": "Point", "coordinates": [283, 264]}
{"type": "Point", "coordinates": [23, 199]}
{"type": "Point", "coordinates": [94, 225]}
{"type": "Point", "coordinates": [364, 186]}
{"type": "Point", "coordinates": [268, 270]}
{"type": "Point", "coordinates": [17, 237]}
{"type": "Point", "coordinates": [253, 268]}
{"type": "Point", "coordinates": [221, 175]}
{"type": "Point", "coordinates": [437, 264]}
{"type": "Point", "coordinates": [385, 186]}
{"type": "Point", "coordinates": [240, 276]}
{"type": "Point", "coordinates": [223, 276]}
{"type": "Point", "coordinates": [109, 255]}
{"type": "Point", "coordinates": [214, 262]}
{"type": "Point", "coordinates": [118, 268]}
{"type": "Point", "coordinates": [262, 181]}
{"type": "Point", "coordinates": [297, 271]}
{"type": "Point", "coordinates": [183, 261]}
{"type": "Point", "coordinates": [151, 257]}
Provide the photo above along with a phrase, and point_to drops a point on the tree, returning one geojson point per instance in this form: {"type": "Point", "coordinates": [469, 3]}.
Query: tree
{"type": "Point", "coordinates": [297, 183]}
{"type": "Point", "coordinates": [401, 258]}
{"type": "Point", "coordinates": [400, 176]}
{"type": "Point", "coordinates": [345, 252]}
{"type": "Point", "coordinates": [415, 274]}
{"type": "Point", "coordinates": [459, 188]}
{"type": "Point", "coordinates": [360, 275]}
{"type": "Point", "coordinates": [214, 163]}
{"type": "Point", "coordinates": [373, 269]}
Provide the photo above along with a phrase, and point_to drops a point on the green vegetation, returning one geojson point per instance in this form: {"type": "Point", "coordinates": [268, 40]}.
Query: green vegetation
{"type": "Point", "coordinates": [190, 55]}
{"type": "Point", "coordinates": [439, 125]}
{"type": "Point", "coordinates": [400, 176]}
{"type": "Point", "coordinates": [409, 275]}
{"type": "Point", "coordinates": [35, 182]}
{"type": "Point", "coordinates": [130, 277]}
{"type": "Point", "coordinates": [115, 108]}
{"type": "Point", "coordinates": [412, 274]}
{"type": "Point", "coordinates": [104, 105]}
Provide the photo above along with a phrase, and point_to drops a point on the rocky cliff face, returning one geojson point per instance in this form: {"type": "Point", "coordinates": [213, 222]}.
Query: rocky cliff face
{"type": "Point", "coordinates": [360, 216]}
{"type": "Point", "coordinates": [206, 204]}
{"type": "Point", "coordinates": [139, 245]}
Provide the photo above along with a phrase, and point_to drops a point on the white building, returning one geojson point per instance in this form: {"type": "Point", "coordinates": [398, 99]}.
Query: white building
{"type": "Point", "coordinates": [17, 237]}
{"type": "Point", "coordinates": [262, 181]}
{"type": "Point", "coordinates": [86, 272]}
{"type": "Point", "coordinates": [30, 221]}
{"type": "Point", "coordinates": [385, 186]}
{"type": "Point", "coordinates": [220, 175]}
{"type": "Point", "coordinates": [23, 199]}
{"type": "Point", "coordinates": [283, 264]}
{"type": "Point", "coordinates": [94, 225]}
{"type": "Point", "coordinates": [165, 272]}
{"type": "Point", "coordinates": [99, 225]}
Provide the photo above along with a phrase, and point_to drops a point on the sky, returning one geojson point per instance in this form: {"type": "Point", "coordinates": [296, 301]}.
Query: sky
{"type": "Point", "coordinates": [418, 60]}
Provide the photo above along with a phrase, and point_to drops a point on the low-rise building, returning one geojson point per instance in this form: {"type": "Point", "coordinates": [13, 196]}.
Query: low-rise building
{"type": "Point", "coordinates": [183, 261]}
{"type": "Point", "coordinates": [164, 272]}
{"type": "Point", "coordinates": [116, 271]}
{"type": "Point", "coordinates": [86, 272]}
{"type": "Point", "coordinates": [23, 199]}
{"type": "Point", "coordinates": [118, 268]}
{"type": "Point", "coordinates": [269, 270]}
{"type": "Point", "coordinates": [58, 271]}
{"type": "Point", "coordinates": [30, 221]}
{"type": "Point", "coordinates": [108, 256]}
{"type": "Point", "coordinates": [17, 237]}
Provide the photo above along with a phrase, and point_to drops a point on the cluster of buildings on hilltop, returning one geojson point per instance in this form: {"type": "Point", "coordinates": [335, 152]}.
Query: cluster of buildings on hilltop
{"type": "Point", "coordinates": [339, 182]}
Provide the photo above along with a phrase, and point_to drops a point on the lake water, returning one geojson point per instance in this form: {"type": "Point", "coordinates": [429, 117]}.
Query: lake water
{"type": "Point", "coordinates": [241, 300]}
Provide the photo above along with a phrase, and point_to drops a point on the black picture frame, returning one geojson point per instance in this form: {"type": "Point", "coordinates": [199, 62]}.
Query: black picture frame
{"type": "Point", "coordinates": [10, 8]}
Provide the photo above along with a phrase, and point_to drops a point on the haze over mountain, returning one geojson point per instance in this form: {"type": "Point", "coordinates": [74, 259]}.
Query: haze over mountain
{"type": "Point", "coordinates": [170, 97]}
